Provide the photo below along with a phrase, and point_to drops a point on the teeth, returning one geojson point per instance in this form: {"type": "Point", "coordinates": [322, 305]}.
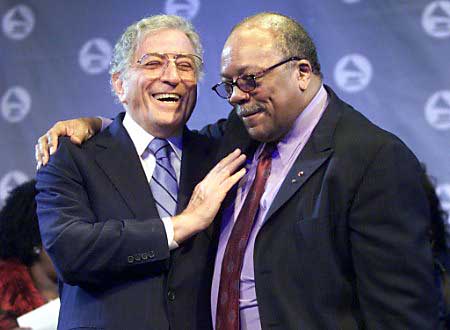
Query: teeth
{"type": "Point", "coordinates": [167, 97]}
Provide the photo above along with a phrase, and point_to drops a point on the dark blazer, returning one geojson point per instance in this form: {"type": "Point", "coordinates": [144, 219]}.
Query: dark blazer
{"type": "Point", "coordinates": [100, 226]}
{"type": "Point", "coordinates": [344, 244]}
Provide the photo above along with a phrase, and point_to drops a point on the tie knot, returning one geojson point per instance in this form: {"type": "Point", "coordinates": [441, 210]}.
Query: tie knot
{"type": "Point", "coordinates": [159, 147]}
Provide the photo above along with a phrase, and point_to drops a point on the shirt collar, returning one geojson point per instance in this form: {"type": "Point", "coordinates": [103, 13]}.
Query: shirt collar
{"type": "Point", "coordinates": [141, 138]}
{"type": "Point", "coordinates": [302, 128]}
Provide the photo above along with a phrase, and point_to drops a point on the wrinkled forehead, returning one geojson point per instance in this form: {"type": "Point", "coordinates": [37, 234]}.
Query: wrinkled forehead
{"type": "Point", "coordinates": [164, 41]}
{"type": "Point", "coordinates": [248, 49]}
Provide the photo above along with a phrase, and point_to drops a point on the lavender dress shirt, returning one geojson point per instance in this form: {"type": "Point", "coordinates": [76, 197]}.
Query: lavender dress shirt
{"type": "Point", "coordinates": [287, 152]}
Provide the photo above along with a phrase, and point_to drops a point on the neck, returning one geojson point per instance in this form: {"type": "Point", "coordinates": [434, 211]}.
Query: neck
{"type": "Point", "coordinates": [313, 88]}
{"type": "Point", "coordinates": [45, 284]}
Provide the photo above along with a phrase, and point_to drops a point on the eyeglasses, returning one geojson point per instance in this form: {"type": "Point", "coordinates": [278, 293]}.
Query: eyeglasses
{"type": "Point", "coordinates": [246, 82]}
{"type": "Point", "coordinates": [156, 64]}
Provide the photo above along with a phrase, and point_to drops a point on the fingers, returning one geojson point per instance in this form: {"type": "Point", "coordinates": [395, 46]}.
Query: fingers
{"type": "Point", "coordinates": [209, 194]}
{"type": "Point", "coordinates": [233, 165]}
{"type": "Point", "coordinates": [224, 169]}
{"type": "Point", "coordinates": [37, 157]}
{"type": "Point", "coordinates": [48, 143]}
{"type": "Point", "coordinates": [76, 130]}
{"type": "Point", "coordinates": [222, 174]}
{"type": "Point", "coordinates": [232, 180]}
{"type": "Point", "coordinates": [221, 179]}
{"type": "Point", "coordinates": [230, 158]}
{"type": "Point", "coordinates": [75, 139]}
{"type": "Point", "coordinates": [41, 151]}
{"type": "Point", "coordinates": [52, 140]}
{"type": "Point", "coordinates": [227, 169]}
{"type": "Point", "coordinates": [82, 129]}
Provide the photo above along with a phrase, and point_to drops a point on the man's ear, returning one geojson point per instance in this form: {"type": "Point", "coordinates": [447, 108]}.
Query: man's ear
{"type": "Point", "coordinates": [117, 84]}
{"type": "Point", "coordinates": [304, 70]}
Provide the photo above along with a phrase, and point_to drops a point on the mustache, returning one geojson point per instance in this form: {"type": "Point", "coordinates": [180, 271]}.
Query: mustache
{"type": "Point", "coordinates": [248, 110]}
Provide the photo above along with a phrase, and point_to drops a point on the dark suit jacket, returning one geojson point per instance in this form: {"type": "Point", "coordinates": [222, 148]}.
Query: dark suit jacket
{"type": "Point", "coordinates": [344, 244]}
{"type": "Point", "coordinates": [101, 228]}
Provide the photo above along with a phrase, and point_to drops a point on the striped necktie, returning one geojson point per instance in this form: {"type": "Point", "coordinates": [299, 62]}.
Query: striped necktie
{"type": "Point", "coordinates": [227, 317]}
{"type": "Point", "coordinates": [163, 184]}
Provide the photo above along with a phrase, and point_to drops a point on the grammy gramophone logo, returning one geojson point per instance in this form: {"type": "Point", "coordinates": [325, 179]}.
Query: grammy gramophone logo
{"type": "Point", "coordinates": [353, 73]}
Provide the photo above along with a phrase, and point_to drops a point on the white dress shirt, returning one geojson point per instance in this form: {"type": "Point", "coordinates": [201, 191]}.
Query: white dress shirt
{"type": "Point", "coordinates": [141, 139]}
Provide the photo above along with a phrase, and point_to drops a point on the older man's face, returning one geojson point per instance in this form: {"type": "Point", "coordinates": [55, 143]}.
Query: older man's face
{"type": "Point", "coordinates": [160, 103]}
{"type": "Point", "coordinates": [269, 111]}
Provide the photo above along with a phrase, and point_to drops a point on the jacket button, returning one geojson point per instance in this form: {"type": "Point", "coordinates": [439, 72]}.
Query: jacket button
{"type": "Point", "coordinates": [171, 295]}
{"type": "Point", "coordinates": [151, 254]}
{"type": "Point", "coordinates": [130, 259]}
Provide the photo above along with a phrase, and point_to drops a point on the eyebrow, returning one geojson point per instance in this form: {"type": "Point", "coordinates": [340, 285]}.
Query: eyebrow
{"type": "Point", "coordinates": [246, 70]}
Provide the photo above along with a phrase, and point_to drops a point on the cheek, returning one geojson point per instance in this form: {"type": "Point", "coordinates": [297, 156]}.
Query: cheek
{"type": "Point", "coordinates": [129, 90]}
{"type": "Point", "coordinates": [275, 115]}
{"type": "Point", "coordinates": [189, 100]}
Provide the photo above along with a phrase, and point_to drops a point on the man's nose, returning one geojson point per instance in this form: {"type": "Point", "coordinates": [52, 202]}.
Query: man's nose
{"type": "Point", "coordinates": [238, 96]}
{"type": "Point", "coordinates": [170, 74]}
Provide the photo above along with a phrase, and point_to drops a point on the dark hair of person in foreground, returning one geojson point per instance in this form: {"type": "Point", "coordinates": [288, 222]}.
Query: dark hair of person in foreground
{"type": "Point", "coordinates": [19, 229]}
{"type": "Point", "coordinates": [27, 276]}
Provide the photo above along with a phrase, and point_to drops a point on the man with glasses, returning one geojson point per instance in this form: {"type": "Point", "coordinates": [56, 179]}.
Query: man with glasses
{"type": "Point", "coordinates": [128, 234]}
{"type": "Point", "coordinates": [339, 240]}
{"type": "Point", "coordinates": [328, 228]}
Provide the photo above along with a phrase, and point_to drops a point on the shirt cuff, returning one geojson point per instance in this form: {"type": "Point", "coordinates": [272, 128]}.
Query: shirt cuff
{"type": "Point", "coordinates": [168, 226]}
{"type": "Point", "coordinates": [105, 122]}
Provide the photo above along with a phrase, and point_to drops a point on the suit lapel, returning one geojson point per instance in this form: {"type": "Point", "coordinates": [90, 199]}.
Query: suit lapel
{"type": "Point", "coordinates": [195, 164]}
{"type": "Point", "coordinates": [194, 153]}
{"type": "Point", "coordinates": [316, 151]}
{"type": "Point", "coordinates": [305, 165]}
{"type": "Point", "coordinates": [117, 157]}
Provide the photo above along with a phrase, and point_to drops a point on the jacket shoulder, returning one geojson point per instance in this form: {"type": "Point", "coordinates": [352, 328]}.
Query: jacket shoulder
{"type": "Point", "coordinates": [357, 132]}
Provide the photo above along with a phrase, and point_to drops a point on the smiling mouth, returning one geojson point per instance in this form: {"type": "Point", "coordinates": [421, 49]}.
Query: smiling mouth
{"type": "Point", "coordinates": [167, 97]}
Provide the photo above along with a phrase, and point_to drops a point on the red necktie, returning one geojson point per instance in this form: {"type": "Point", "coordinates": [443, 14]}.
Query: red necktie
{"type": "Point", "coordinates": [227, 317]}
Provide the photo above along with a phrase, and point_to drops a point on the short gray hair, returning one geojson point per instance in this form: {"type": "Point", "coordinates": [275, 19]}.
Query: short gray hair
{"type": "Point", "coordinates": [127, 44]}
{"type": "Point", "coordinates": [291, 38]}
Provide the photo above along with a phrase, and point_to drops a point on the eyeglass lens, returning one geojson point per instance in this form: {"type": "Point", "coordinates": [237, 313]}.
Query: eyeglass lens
{"type": "Point", "coordinates": [245, 83]}
{"type": "Point", "coordinates": [156, 64]}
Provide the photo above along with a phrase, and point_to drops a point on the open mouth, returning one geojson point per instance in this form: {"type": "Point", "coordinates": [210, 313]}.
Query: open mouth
{"type": "Point", "coordinates": [167, 97]}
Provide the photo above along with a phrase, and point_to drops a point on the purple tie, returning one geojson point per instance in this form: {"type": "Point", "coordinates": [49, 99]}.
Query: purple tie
{"type": "Point", "coordinates": [164, 182]}
{"type": "Point", "coordinates": [227, 317]}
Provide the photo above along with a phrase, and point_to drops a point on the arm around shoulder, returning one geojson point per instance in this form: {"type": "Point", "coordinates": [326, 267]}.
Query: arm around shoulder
{"type": "Point", "coordinates": [85, 248]}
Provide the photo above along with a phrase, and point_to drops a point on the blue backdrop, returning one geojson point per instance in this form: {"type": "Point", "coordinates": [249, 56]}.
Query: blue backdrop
{"type": "Point", "coordinates": [390, 59]}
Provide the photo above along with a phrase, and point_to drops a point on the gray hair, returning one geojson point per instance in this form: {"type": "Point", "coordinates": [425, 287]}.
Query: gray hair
{"type": "Point", "coordinates": [291, 38]}
{"type": "Point", "coordinates": [127, 44]}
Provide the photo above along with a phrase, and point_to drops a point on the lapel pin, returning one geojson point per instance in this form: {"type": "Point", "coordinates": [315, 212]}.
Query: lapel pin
{"type": "Point", "coordinates": [300, 173]}
{"type": "Point", "coordinates": [293, 180]}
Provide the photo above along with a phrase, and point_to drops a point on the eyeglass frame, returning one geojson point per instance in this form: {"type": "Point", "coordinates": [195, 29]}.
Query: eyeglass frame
{"type": "Point", "coordinates": [197, 68]}
{"type": "Point", "coordinates": [253, 76]}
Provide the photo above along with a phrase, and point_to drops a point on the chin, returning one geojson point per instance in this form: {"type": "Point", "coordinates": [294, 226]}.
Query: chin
{"type": "Point", "coordinates": [172, 126]}
{"type": "Point", "coordinates": [259, 135]}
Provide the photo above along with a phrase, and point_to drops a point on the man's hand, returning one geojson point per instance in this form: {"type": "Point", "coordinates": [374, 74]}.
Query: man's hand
{"type": "Point", "coordinates": [79, 130]}
{"type": "Point", "coordinates": [208, 196]}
